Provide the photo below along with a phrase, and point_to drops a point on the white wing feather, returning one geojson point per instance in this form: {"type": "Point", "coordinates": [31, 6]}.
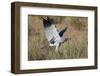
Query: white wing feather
{"type": "Point", "coordinates": [51, 32]}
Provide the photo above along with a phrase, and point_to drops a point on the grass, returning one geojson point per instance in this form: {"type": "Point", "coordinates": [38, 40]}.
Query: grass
{"type": "Point", "coordinates": [75, 47]}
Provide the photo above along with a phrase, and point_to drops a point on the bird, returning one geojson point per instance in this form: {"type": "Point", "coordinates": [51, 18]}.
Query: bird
{"type": "Point", "coordinates": [53, 36]}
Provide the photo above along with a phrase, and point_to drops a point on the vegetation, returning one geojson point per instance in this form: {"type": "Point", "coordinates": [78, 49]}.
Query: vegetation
{"type": "Point", "coordinates": [75, 47]}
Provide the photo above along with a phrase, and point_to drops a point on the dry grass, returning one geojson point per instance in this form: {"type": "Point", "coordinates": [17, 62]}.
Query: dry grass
{"type": "Point", "coordinates": [75, 47]}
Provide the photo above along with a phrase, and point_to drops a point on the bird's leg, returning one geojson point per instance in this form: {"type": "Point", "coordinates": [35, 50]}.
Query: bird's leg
{"type": "Point", "coordinates": [57, 45]}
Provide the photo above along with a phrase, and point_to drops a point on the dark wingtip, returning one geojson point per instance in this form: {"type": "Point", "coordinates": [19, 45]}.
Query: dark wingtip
{"type": "Point", "coordinates": [44, 19]}
{"type": "Point", "coordinates": [48, 18]}
{"type": "Point", "coordinates": [47, 22]}
{"type": "Point", "coordinates": [66, 28]}
{"type": "Point", "coordinates": [62, 31]}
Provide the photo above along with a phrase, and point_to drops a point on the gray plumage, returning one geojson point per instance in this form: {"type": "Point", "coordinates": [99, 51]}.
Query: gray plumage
{"type": "Point", "coordinates": [54, 37]}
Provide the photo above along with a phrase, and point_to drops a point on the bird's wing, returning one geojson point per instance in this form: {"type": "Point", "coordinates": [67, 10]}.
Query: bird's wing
{"type": "Point", "coordinates": [62, 32]}
{"type": "Point", "coordinates": [51, 33]}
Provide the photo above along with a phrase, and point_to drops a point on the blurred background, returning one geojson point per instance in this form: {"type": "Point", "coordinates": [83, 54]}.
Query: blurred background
{"type": "Point", "coordinates": [77, 33]}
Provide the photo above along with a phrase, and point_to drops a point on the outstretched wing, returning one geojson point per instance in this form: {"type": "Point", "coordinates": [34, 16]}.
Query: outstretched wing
{"type": "Point", "coordinates": [50, 31]}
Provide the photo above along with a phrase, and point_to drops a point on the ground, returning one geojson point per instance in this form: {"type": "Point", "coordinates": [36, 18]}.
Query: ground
{"type": "Point", "coordinates": [75, 47]}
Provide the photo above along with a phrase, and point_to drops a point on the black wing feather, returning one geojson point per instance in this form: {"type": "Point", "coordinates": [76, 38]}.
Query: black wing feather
{"type": "Point", "coordinates": [62, 32]}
